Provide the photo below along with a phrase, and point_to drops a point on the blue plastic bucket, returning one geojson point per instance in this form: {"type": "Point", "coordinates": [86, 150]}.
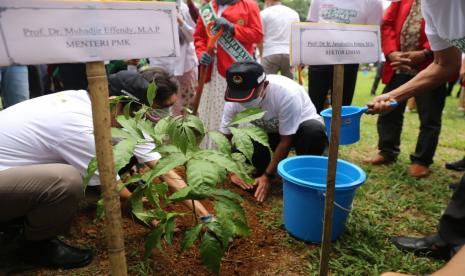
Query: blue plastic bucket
{"type": "Point", "coordinates": [350, 123]}
{"type": "Point", "coordinates": [304, 186]}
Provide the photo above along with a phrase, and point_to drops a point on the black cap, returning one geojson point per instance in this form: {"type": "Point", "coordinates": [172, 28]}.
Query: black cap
{"type": "Point", "coordinates": [130, 84]}
{"type": "Point", "coordinates": [243, 78]}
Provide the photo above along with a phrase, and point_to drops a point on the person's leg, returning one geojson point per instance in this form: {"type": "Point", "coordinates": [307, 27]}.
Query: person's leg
{"type": "Point", "coordinates": [320, 78]}
{"type": "Point", "coordinates": [271, 64]}
{"type": "Point", "coordinates": [285, 66]}
{"type": "Point", "coordinates": [379, 72]}
{"type": "Point", "coordinates": [450, 235]}
{"type": "Point", "coordinates": [389, 124]}
{"type": "Point", "coordinates": [36, 86]}
{"type": "Point", "coordinates": [46, 196]}
{"type": "Point", "coordinates": [310, 138]}
{"type": "Point", "coordinates": [430, 106]}
{"type": "Point", "coordinates": [451, 226]}
{"type": "Point", "coordinates": [350, 79]}
{"type": "Point", "coordinates": [73, 76]}
{"type": "Point", "coordinates": [458, 165]}
{"type": "Point", "coordinates": [14, 85]}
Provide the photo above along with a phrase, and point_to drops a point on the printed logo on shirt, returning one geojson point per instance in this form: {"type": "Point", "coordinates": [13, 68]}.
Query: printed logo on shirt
{"type": "Point", "coordinates": [338, 15]}
{"type": "Point", "coordinates": [240, 22]}
{"type": "Point", "coordinates": [459, 43]}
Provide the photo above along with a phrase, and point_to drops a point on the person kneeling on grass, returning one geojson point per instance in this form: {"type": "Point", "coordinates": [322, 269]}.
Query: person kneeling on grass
{"type": "Point", "coordinates": [45, 146]}
{"type": "Point", "coordinates": [290, 119]}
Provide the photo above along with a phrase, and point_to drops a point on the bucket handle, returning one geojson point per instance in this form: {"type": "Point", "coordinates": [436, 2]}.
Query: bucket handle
{"type": "Point", "coordinates": [365, 108]}
{"type": "Point", "coordinates": [339, 205]}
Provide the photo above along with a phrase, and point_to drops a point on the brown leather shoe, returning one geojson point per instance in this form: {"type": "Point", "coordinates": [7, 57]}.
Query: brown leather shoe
{"type": "Point", "coordinates": [378, 159]}
{"type": "Point", "coordinates": [418, 171]}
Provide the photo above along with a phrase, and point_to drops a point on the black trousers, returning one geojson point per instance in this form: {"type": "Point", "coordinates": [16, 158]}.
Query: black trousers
{"type": "Point", "coordinates": [320, 81]}
{"type": "Point", "coordinates": [451, 226]}
{"type": "Point", "coordinates": [429, 106]}
{"type": "Point", "coordinates": [310, 139]}
{"type": "Point", "coordinates": [73, 76]}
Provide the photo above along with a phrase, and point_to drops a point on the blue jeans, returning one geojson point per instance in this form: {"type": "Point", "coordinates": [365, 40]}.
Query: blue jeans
{"type": "Point", "coordinates": [14, 84]}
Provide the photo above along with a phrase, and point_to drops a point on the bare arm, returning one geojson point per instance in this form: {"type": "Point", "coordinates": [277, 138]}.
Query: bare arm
{"type": "Point", "coordinates": [446, 62]}
{"type": "Point", "coordinates": [281, 152]}
{"type": "Point", "coordinates": [455, 266]}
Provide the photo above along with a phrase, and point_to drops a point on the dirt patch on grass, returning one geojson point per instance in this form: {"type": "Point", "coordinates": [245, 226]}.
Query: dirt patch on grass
{"type": "Point", "coordinates": [265, 252]}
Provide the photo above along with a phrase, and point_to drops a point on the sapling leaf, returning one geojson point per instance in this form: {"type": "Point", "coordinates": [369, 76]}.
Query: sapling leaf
{"type": "Point", "coordinates": [180, 195]}
{"type": "Point", "coordinates": [91, 169]}
{"type": "Point", "coordinates": [151, 92]}
{"type": "Point", "coordinates": [241, 228]}
{"type": "Point", "coordinates": [201, 172]}
{"type": "Point", "coordinates": [257, 134]}
{"type": "Point", "coordinates": [224, 161]}
{"type": "Point", "coordinates": [195, 123]}
{"type": "Point", "coordinates": [130, 125]}
{"type": "Point", "coordinates": [121, 133]}
{"type": "Point", "coordinates": [160, 129]}
{"type": "Point", "coordinates": [248, 115]}
{"type": "Point", "coordinates": [211, 252]}
{"type": "Point", "coordinates": [164, 165]}
{"type": "Point", "coordinates": [137, 205]}
{"type": "Point", "coordinates": [100, 209]}
{"type": "Point", "coordinates": [126, 110]}
{"type": "Point", "coordinates": [221, 141]}
{"type": "Point", "coordinates": [242, 142]}
{"type": "Point", "coordinates": [153, 240]}
{"type": "Point", "coordinates": [190, 236]}
{"type": "Point", "coordinates": [169, 228]}
{"type": "Point", "coordinates": [226, 208]}
{"type": "Point", "coordinates": [132, 179]}
{"type": "Point", "coordinates": [123, 152]}
{"type": "Point", "coordinates": [227, 194]}
{"type": "Point", "coordinates": [225, 234]}
{"type": "Point", "coordinates": [167, 149]}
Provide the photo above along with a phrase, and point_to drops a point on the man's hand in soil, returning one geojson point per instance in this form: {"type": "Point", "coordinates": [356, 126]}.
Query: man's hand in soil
{"type": "Point", "coordinates": [236, 180]}
{"type": "Point", "coordinates": [263, 186]}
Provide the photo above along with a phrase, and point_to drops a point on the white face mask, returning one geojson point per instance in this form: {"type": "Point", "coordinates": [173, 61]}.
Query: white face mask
{"type": "Point", "coordinates": [253, 103]}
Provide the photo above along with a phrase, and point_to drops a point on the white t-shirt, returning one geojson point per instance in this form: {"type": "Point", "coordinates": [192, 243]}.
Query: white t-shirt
{"type": "Point", "coordinates": [445, 23]}
{"type": "Point", "coordinates": [369, 12]}
{"type": "Point", "coordinates": [286, 104]}
{"type": "Point", "coordinates": [55, 128]}
{"type": "Point", "coordinates": [276, 22]}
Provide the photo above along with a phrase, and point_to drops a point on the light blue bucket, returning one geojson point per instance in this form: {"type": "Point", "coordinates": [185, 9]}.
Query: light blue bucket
{"type": "Point", "coordinates": [350, 122]}
{"type": "Point", "coordinates": [304, 186]}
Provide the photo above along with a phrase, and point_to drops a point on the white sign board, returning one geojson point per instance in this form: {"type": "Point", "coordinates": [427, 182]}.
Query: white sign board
{"type": "Point", "coordinates": [46, 31]}
{"type": "Point", "coordinates": [323, 43]}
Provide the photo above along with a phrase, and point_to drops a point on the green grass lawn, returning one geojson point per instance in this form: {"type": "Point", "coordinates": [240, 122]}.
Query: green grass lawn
{"type": "Point", "coordinates": [390, 202]}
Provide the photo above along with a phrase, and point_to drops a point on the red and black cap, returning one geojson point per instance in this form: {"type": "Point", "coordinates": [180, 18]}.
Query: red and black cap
{"type": "Point", "coordinates": [243, 78]}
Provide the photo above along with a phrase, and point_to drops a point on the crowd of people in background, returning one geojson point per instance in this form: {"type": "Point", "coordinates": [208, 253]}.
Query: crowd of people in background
{"type": "Point", "coordinates": [421, 59]}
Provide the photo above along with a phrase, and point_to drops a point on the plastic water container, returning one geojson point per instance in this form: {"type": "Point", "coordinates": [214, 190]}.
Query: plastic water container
{"type": "Point", "coordinates": [304, 186]}
{"type": "Point", "coordinates": [350, 123]}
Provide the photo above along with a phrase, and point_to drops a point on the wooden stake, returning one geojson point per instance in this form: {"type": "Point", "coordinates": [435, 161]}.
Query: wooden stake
{"type": "Point", "coordinates": [98, 87]}
{"type": "Point", "coordinates": [336, 102]}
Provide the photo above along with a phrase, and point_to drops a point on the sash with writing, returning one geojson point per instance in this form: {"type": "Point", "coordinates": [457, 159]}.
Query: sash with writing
{"type": "Point", "coordinates": [233, 47]}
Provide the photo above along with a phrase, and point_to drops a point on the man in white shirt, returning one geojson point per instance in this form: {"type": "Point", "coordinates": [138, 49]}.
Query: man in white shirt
{"type": "Point", "coordinates": [290, 119]}
{"type": "Point", "coordinates": [445, 28]}
{"type": "Point", "coordinates": [276, 22]}
{"type": "Point", "coordinates": [45, 146]}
